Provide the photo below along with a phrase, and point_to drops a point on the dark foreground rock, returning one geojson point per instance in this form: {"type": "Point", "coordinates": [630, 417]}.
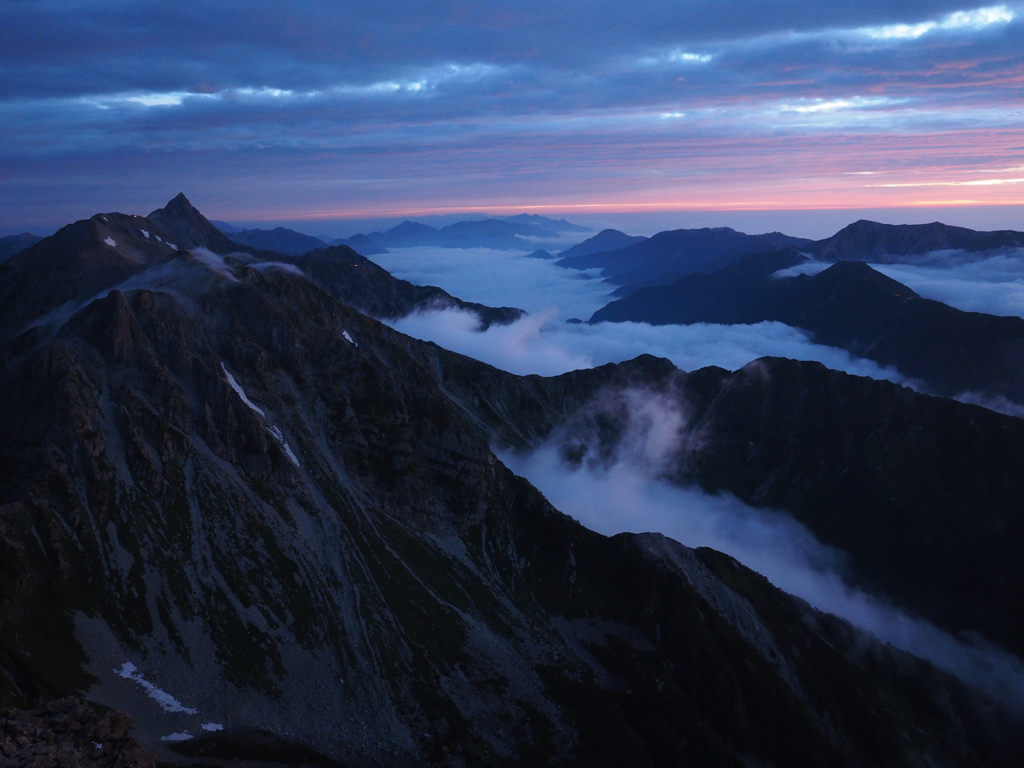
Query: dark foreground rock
{"type": "Point", "coordinates": [69, 733]}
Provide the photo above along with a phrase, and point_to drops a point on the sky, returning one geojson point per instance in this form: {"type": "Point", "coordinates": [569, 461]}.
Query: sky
{"type": "Point", "coordinates": [321, 111]}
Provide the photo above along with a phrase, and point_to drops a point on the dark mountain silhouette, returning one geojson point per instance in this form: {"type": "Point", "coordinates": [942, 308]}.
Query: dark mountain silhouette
{"type": "Point", "coordinates": [541, 255]}
{"type": "Point", "coordinates": [358, 282]}
{"type": "Point", "coordinates": [894, 243]}
{"type": "Point", "coordinates": [513, 234]}
{"type": "Point", "coordinates": [289, 517]}
{"type": "Point", "coordinates": [361, 244]}
{"type": "Point", "coordinates": [226, 228]}
{"type": "Point", "coordinates": [603, 241]}
{"type": "Point", "coordinates": [852, 306]}
{"type": "Point", "coordinates": [279, 240]}
{"type": "Point", "coordinates": [12, 244]}
{"type": "Point", "coordinates": [668, 255]}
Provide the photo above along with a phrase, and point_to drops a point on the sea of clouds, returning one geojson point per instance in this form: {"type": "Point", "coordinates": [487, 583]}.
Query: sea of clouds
{"type": "Point", "coordinates": [543, 343]}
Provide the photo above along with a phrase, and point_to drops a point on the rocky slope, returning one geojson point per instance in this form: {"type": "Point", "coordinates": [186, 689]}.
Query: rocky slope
{"type": "Point", "coordinates": [266, 525]}
{"type": "Point", "coordinates": [69, 732]}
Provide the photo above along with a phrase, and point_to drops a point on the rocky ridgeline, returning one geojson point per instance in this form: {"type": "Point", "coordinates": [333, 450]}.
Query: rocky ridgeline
{"type": "Point", "coordinates": [68, 732]}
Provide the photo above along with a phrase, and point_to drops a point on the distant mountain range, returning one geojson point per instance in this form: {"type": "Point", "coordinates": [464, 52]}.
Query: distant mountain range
{"type": "Point", "coordinates": [12, 244]}
{"type": "Point", "coordinates": [632, 262]}
{"type": "Point", "coordinates": [848, 305]}
{"type": "Point", "coordinates": [514, 233]}
{"type": "Point", "coordinates": [906, 243]}
{"type": "Point", "coordinates": [518, 233]}
{"type": "Point", "coordinates": [667, 256]}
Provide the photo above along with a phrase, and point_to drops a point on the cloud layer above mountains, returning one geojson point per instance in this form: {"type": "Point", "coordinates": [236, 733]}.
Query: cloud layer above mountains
{"type": "Point", "coordinates": [322, 109]}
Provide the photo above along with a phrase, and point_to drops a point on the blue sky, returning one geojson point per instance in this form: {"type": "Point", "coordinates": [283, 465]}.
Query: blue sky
{"type": "Point", "coordinates": [320, 112]}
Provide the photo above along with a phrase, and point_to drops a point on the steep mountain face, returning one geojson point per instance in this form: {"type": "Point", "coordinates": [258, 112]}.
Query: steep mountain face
{"type": "Point", "coordinates": [279, 240]}
{"type": "Point", "coordinates": [894, 243]}
{"type": "Point", "coordinates": [604, 241]}
{"type": "Point", "coordinates": [852, 306]}
{"type": "Point", "coordinates": [287, 518]}
{"type": "Point", "coordinates": [180, 221]}
{"type": "Point", "coordinates": [12, 244]}
{"type": "Point", "coordinates": [666, 256]}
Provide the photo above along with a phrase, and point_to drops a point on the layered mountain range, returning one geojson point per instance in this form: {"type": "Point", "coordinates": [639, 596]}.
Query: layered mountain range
{"type": "Point", "coordinates": [512, 233]}
{"type": "Point", "coordinates": [852, 306]}
{"type": "Point", "coordinates": [633, 263]}
{"type": "Point", "coordinates": [237, 506]}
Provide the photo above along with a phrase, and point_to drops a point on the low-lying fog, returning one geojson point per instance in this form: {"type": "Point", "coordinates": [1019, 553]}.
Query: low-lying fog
{"type": "Point", "coordinates": [625, 492]}
{"type": "Point", "coordinates": [545, 344]}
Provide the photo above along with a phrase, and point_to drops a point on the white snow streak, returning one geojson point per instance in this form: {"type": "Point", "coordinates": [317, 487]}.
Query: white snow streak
{"type": "Point", "coordinates": [241, 392]}
{"type": "Point", "coordinates": [348, 338]}
{"type": "Point", "coordinates": [110, 241]}
{"type": "Point", "coordinates": [167, 702]}
{"type": "Point", "coordinates": [284, 444]}
{"type": "Point", "coordinates": [145, 233]}
{"type": "Point", "coordinates": [181, 736]}
{"type": "Point", "coordinates": [213, 727]}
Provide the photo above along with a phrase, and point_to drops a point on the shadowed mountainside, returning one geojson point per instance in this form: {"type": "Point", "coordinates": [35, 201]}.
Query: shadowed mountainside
{"type": "Point", "coordinates": [603, 241]}
{"type": "Point", "coordinates": [666, 256]}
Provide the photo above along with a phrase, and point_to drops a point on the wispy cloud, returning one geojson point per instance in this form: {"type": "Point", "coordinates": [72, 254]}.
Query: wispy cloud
{"type": "Point", "coordinates": [972, 20]}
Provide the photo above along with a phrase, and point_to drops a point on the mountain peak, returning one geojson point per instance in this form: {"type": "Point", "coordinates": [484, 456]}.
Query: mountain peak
{"type": "Point", "coordinates": [183, 222]}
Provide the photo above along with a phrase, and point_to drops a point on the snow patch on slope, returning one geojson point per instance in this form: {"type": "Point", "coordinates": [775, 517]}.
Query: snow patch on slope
{"type": "Point", "coordinates": [167, 702]}
{"type": "Point", "coordinates": [241, 392]}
